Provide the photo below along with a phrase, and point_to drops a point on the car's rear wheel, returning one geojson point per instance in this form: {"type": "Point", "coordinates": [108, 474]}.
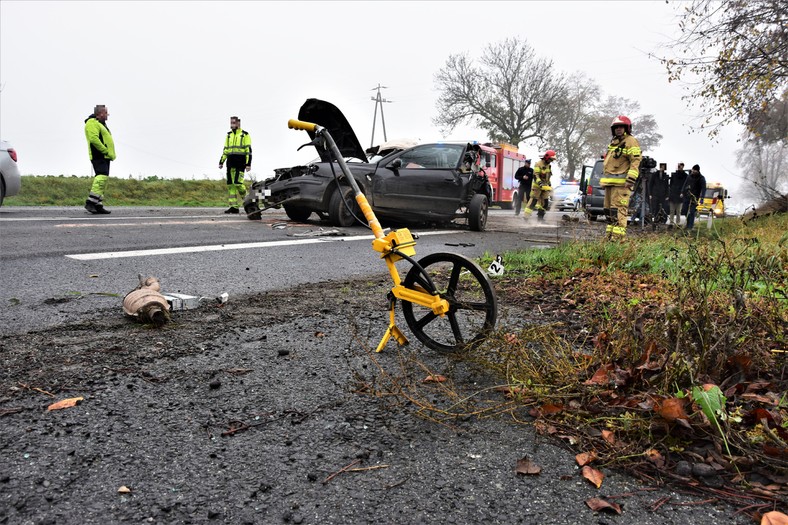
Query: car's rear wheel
{"type": "Point", "coordinates": [477, 212]}
{"type": "Point", "coordinates": [298, 213]}
{"type": "Point", "coordinates": [2, 191]}
{"type": "Point", "coordinates": [338, 213]}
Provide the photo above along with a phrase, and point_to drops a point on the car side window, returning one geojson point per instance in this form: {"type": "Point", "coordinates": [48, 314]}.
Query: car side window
{"type": "Point", "coordinates": [432, 156]}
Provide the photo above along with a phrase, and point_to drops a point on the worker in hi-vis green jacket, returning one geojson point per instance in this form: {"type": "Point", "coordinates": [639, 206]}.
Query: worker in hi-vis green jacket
{"type": "Point", "coordinates": [238, 154]}
{"type": "Point", "coordinates": [101, 149]}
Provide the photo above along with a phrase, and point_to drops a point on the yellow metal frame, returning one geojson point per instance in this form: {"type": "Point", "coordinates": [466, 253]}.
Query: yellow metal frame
{"type": "Point", "coordinates": [388, 245]}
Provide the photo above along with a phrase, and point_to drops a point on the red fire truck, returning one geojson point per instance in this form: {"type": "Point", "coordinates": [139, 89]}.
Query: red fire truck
{"type": "Point", "coordinates": [500, 161]}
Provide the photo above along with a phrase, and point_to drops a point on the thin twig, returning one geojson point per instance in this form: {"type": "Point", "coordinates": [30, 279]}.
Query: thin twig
{"type": "Point", "coordinates": [340, 471]}
{"type": "Point", "coordinates": [362, 469]}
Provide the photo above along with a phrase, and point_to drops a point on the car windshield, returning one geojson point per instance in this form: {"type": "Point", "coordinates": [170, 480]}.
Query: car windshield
{"type": "Point", "coordinates": [712, 192]}
{"type": "Point", "coordinates": [433, 156]}
{"type": "Point", "coordinates": [565, 191]}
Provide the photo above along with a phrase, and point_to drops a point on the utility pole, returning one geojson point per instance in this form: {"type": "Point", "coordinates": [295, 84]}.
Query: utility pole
{"type": "Point", "coordinates": [378, 101]}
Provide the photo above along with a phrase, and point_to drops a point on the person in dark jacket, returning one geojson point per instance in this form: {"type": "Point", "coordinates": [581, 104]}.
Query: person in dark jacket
{"type": "Point", "coordinates": [693, 191]}
{"type": "Point", "coordinates": [675, 200]}
{"type": "Point", "coordinates": [525, 175]}
{"type": "Point", "coordinates": [657, 188]}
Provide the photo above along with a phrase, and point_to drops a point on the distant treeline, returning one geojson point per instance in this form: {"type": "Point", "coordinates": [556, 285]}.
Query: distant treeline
{"type": "Point", "coordinates": [71, 190]}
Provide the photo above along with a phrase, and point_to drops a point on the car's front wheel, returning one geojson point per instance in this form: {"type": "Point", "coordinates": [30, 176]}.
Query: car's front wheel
{"type": "Point", "coordinates": [338, 213]}
{"type": "Point", "coordinates": [297, 213]}
{"type": "Point", "coordinates": [252, 210]}
{"type": "Point", "coordinates": [477, 212]}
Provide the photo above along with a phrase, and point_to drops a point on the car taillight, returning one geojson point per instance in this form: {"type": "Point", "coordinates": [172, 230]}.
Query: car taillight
{"type": "Point", "coordinates": [12, 153]}
{"type": "Point", "coordinates": [590, 190]}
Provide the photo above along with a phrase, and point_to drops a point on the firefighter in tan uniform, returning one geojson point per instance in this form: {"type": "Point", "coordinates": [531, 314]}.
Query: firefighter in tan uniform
{"type": "Point", "coordinates": [621, 166]}
{"type": "Point", "coordinates": [540, 191]}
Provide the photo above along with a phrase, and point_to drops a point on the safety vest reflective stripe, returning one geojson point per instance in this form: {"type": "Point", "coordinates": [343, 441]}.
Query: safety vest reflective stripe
{"type": "Point", "coordinates": [619, 230]}
{"type": "Point", "coordinates": [633, 151]}
{"type": "Point", "coordinates": [613, 180]}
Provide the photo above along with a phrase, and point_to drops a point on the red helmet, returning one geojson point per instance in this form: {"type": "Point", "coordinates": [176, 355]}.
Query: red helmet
{"type": "Point", "coordinates": [621, 120]}
{"type": "Point", "coordinates": [549, 154]}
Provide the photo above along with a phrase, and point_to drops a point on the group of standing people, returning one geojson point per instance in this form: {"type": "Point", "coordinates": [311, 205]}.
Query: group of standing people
{"type": "Point", "coordinates": [675, 195]}
{"type": "Point", "coordinates": [237, 154]}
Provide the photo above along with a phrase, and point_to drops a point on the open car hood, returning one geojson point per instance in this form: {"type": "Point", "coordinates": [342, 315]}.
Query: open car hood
{"type": "Point", "coordinates": [328, 116]}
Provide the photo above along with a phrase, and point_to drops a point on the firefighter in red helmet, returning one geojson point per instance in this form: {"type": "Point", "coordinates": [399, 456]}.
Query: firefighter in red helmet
{"type": "Point", "coordinates": [540, 191]}
{"type": "Point", "coordinates": [621, 167]}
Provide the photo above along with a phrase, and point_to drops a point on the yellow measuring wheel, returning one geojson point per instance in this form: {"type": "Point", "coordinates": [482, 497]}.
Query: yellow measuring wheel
{"type": "Point", "coordinates": [447, 300]}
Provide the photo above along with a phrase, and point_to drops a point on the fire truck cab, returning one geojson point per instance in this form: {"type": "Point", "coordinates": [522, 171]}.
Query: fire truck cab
{"type": "Point", "coordinates": [713, 200]}
{"type": "Point", "coordinates": [500, 162]}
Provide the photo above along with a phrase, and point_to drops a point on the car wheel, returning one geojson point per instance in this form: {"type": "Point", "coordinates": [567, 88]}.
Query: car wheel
{"type": "Point", "coordinates": [338, 213]}
{"type": "Point", "coordinates": [252, 210]}
{"type": "Point", "coordinates": [2, 191]}
{"type": "Point", "coordinates": [477, 212]}
{"type": "Point", "coordinates": [297, 213]}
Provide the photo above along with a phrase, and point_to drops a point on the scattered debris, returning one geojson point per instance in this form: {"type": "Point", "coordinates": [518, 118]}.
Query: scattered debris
{"type": "Point", "coordinates": [124, 490]}
{"type": "Point", "coordinates": [319, 233]}
{"type": "Point", "coordinates": [181, 301]}
{"type": "Point", "coordinates": [526, 466]}
{"type": "Point", "coordinates": [65, 403]}
{"type": "Point", "coordinates": [146, 304]}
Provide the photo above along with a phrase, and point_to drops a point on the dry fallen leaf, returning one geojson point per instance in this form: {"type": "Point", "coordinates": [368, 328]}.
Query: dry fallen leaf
{"type": "Point", "coordinates": [526, 466]}
{"type": "Point", "coordinates": [510, 338]}
{"type": "Point", "coordinates": [124, 490]}
{"type": "Point", "coordinates": [774, 518]}
{"type": "Point", "coordinates": [585, 458]}
{"type": "Point", "coordinates": [434, 379]}
{"type": "Point", "coordinates": [655, 457]}
{"type": "Point", "coordinates": [598, 504]}
{"type": "Point", "coordinates": [319, 334]}
{"type": "Point", "coordinates": [601, 376]}
{"type": "Point", "coordinates": [593, 475]}
{"type": "Point", "coordinates": [65, 403]}
{"type": "Point", "coordinates": [608, 436]}
{"type": "Point", "coordinates": [550, 409]}
{"type": "Point", "coordinates": [672, 408]}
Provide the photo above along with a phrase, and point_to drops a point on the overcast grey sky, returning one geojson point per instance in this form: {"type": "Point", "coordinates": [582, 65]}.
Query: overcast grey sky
{"type": "Point", "coordinates": [172, 73]}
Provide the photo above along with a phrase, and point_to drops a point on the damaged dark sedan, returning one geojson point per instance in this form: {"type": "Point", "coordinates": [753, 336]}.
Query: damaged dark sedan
{"type": "Point", "coordinates": [428, 183]}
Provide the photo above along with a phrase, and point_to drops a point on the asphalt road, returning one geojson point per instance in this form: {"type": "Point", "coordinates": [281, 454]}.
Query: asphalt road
{"type": "Point", "coordinates": [60, 264]}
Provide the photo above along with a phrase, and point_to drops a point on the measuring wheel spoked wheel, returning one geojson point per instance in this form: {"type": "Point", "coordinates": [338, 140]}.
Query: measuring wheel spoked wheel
{"type": "Point", "coordinates": [473, 307]}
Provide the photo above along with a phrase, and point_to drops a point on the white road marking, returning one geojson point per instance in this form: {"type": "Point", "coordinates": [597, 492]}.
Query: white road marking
{"type": "Point", "coordinates": [158, 223]}
{"type": "Point", "coordinates": [222, 247]}
{"type": "Point", "coordinates": [107, 219]}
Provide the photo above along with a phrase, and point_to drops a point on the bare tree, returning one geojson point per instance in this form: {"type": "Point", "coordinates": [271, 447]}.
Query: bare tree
{"type": "Point", "coordinates": [507, 95]}
{"type": "Point", "coordinates": [732, 57]}
{"type": "Point", "coordinates": [765, 169]}
{"type": "Point", "coordinates": [574, 123]}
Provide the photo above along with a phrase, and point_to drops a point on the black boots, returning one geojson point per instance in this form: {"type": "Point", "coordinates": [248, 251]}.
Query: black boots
{"type": "Point", "coordinates": [96, 209]}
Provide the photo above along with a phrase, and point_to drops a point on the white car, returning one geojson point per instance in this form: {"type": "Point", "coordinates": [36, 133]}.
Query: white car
{"type": "Point", "coordinates": [567, 197]}
{"type": "Point", "coordinates": [10, 180]}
